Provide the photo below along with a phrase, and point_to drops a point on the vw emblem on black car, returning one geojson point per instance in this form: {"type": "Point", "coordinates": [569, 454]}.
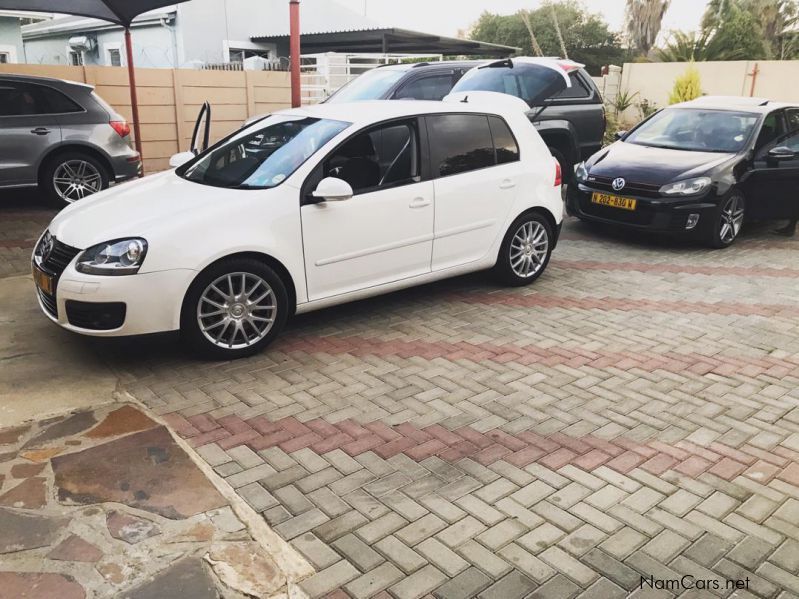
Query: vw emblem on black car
{"type": "Point", "coordinates": [618, 184]}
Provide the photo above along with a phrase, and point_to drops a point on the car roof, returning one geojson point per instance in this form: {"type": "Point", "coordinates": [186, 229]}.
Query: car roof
{"type": "Point", "coordinates": [735, 103]}
{"type": "Point", "coordinates": [45, 80]}
{"type": "Point", "coordinates": [374, 111]}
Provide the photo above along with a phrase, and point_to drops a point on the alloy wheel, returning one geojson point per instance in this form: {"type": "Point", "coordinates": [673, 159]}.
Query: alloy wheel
{"type": "Point", "coordinates": [528, 249]}
{"type": "Point", "coordinates": [732, 218]}
{"type": "Point", "coordinates": [237, 310]}
{"type": "Point", "coordinates": [75, 179]}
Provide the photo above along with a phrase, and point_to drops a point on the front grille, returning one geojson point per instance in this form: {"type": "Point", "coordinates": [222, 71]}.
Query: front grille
{"type": "Point", "coordinates": [60, 257]}
{"type": "Point", "coordinates": [641, 190]}
{"type": "Point", "coordinates": [96, 316]}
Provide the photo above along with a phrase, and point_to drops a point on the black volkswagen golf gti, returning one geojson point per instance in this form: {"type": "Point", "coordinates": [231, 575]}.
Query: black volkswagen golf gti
{"type": "Point", "coordinates": [699, 168]}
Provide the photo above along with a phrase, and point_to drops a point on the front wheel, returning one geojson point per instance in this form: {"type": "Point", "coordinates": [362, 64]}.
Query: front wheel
{"type": "Point", "coordinates": [525, 251]}
{"type": "Point", "coordinates": [727, 221]}
{"type": "Point", "coordinates": [234, 309]}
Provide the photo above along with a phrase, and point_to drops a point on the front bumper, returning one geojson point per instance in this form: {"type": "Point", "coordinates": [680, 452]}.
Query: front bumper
{"type": "Point", "coordinates": [152, 302]}
{"type": "Point", "coordinates": [667, 215]}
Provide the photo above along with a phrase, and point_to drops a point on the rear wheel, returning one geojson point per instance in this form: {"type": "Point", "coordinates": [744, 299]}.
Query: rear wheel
{"type": "Point", "coordinates": [525, 251]}
{"type": "Point", "coordinates": [727, 222]}
{"type": "Point", "coordinates": [73, 176]}
{"type": "Point", "coordinates": [234, 309]}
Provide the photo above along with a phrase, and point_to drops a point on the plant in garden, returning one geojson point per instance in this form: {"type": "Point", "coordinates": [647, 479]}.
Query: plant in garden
{"type": "Point", "coordinates": [686, 87]}
{"type": "Point", "coordinates": [623, 100]}
{"type": "Point", "coordinates": [646, 108]}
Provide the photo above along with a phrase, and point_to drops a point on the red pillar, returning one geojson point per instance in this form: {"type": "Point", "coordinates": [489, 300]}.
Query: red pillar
{"type": "Point", "coordinates": [294, 51]}
{"type": "Point", "coordinates": [134, 100]}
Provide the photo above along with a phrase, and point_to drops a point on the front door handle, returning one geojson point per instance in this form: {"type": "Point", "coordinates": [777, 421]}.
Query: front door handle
{"type": "Point", "coordinates": [40, 131]}
{"type": "Point", "coordinates": [419, 203]}
{"type": "Point", "coordinates": [507, 184]}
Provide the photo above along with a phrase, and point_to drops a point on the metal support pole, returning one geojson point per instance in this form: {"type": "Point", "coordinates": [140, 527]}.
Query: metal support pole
{"type": "Point", "coordinates": [294, 51]}
{"type": "Point", "coordinates": [134, 100]}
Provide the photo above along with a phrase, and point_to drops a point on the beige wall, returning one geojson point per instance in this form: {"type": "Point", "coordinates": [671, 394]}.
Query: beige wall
{"type": "Point", "coordinates": [169, 100]}
{"type": "Point", "coordinates": [776, 80]}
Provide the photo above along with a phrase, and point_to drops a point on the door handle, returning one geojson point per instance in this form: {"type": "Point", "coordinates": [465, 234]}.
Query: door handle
{"type": "Point", "coordinates": [419, 203]}
{"type": "Point", "coordinates": [40, 131]}
{"type": "Point", "coordinates": [507, 184]}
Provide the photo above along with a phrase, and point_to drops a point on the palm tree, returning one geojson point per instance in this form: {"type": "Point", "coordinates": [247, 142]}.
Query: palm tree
{"type": "Point", "coordinates": [689, 47]}
{"type": "Point", "coordinates": [643, 21]}
{"type": "Point", "coordinates": [777, 20]}
{"type": "Point", "coordinates": [525, 16]}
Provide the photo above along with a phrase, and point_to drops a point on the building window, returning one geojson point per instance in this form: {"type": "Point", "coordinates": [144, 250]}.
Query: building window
{"type": "Point", "coordinates": [76, 58]}
{"type": "Point", "coordinates": [114, 57]}
{"type": "Point", "coordinates": [4, 58]}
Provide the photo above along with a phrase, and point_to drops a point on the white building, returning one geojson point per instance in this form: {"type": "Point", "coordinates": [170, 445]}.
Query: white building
{"type": "Point", "coordinates": [11, 46]}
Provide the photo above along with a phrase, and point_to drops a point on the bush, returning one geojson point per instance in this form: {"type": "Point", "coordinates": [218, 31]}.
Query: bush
{"type": "Point", "coordinates": [686, 87]}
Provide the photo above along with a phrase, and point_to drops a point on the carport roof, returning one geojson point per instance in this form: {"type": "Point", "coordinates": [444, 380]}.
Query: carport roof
{"type": "Point", "coordinates": [390, 40]}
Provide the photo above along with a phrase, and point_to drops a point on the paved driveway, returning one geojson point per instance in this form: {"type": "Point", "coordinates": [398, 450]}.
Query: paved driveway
{"type": "Point", "coordinates": [633, 414]}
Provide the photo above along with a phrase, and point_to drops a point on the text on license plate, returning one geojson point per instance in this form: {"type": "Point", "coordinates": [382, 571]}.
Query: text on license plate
{"type": "Point", "coordinates": [43, 281]}
{"type": "Point", "coordinates": [604, 199]}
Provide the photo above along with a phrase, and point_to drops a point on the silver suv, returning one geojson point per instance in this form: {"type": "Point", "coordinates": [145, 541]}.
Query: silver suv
{"type": "Point", "coordinates": [63, 137]}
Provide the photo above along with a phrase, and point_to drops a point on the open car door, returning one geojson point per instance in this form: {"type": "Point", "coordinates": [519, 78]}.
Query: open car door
{"type": "Point", "coordinates": [200, 138]}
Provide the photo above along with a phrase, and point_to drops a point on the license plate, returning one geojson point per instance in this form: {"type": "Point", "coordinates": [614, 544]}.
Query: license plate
{"type": "Point", "coordinates": [604, 199]}
{"type": "Point", "coordinates": [43, 281]}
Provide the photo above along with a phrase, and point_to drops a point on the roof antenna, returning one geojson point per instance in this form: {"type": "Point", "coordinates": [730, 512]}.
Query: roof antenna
{"type": "Point", "coordinates": [465, 100]}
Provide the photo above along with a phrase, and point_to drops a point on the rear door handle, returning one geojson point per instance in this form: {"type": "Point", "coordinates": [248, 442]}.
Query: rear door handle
{"type": "Point", "coordinates": [419, 203]}
{"type": "Point", "coordinates": [507, 184]}
{"type": "Point", "coordinates": [40, 131]}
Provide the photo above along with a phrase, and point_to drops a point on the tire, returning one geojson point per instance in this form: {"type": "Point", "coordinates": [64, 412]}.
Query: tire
{"type": "Point", "coordinates": [224, 308]}
{"type": "Point", "coordinates": [508, 269]}
{"type": "Point", "coordinates": [566, 167]}
{"type": "Point", "coordinates": [80, 166]}
{"type": "Point", "coordinates": [728, 219]}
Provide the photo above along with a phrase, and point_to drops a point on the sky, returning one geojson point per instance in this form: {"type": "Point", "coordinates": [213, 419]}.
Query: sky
{"type": "Point", "coordinates": [446, 17]}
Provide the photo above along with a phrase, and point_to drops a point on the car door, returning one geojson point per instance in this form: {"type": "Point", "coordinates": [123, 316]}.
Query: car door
{"type": "Point", "coordinates": [475, 163]}
{"type": "Point", "coordinates": [384, 233]}
{"type": "Point", "coordinates": [771, 184]}
{"type": "Point", "coordinates": [27, 131]}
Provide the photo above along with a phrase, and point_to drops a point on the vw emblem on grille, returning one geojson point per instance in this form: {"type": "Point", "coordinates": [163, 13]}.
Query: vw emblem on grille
{"type": "Point", "coordinates": [45, 247]}
{"type": "Point", "coordinates": [618, 184]}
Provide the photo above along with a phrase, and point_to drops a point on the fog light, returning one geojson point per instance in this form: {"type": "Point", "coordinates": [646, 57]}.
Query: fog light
{"type": "Point", "coordinates": [693, 220]}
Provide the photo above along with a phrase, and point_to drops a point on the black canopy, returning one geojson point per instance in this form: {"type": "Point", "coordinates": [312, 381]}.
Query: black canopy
{"type": "Point", "coordinates": [121, 12]}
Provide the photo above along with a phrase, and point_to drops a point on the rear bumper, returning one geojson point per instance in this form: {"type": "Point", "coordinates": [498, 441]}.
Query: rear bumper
{"type": "Point", "coordinates": [126, 166]}
{"type": "Point", "coordinates": [652, 214]}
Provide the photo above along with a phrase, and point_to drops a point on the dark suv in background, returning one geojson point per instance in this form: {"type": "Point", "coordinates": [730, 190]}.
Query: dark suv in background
{"type": "Point", "coordinates": [569, 116]}
{"type": "Point", "coordinates": [61, 136]}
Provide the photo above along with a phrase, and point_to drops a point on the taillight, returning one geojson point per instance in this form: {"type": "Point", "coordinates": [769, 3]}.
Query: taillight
{"type": "Point", "coordinates": [121, 127]}
{"type": "Point", "coordinates": [558, 174]}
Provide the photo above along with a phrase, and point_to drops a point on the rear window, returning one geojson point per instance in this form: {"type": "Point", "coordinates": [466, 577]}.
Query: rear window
{"type": "Point", "coordinates": [372, 85]}
{"type": "Point", "coordinates": [531, 82]}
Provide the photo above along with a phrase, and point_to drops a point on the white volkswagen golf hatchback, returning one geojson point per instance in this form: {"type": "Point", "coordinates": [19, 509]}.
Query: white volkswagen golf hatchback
{"type": "Point", "coordinates": [304, 209]}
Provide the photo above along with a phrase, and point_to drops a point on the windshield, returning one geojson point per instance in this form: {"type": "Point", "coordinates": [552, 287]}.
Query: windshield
{"type": "Point", "coordinates": [372, 85]}
{"type": "Point", "coordinates": [696, 129]}
{"type": "Point", "coordinates": [532, 83]}
{"type": "Point", "coordinates": [264, 155]}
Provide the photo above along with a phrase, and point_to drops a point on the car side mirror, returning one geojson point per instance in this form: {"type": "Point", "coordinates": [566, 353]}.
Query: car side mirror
{"type": "Point", "coordinates": [180, 159]}
{"type": "Point", "coordinates": [620, 135]}
{"type": "Point", "coordinates": [332, 189]}
{"type": "Point", "coordinates": [781, 153]}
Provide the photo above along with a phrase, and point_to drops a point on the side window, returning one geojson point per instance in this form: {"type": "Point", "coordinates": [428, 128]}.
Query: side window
{"type": "Point", "coordinates": [57, 103]}
{"type": "Point", "coordinates": [792, 119]}
{"type": "Point", "coordinates": [504, 143]}
{"type": "Point", "coordinates": [792, 142]}
{"type": "Point", "coordinates": [426, 88]}
{"type": "Point", "coordinates": [460, 143]}
{"type": "Point", "coordinates": [773, 127]}
{"type": "Point", "coordinates": [576, 91]}
{"type": "Point", "coordinates": [382, 157]}
{"type": "Point", "coordinates": [18, 100]}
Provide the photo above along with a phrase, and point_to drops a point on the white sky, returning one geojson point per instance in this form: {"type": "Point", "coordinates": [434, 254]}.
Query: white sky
{"type": "Point", "coordinates": [446, 17]}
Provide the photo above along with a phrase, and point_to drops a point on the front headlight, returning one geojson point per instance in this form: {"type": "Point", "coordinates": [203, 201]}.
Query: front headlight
{"type": "Point", "coordinates": [119, 257]}
{"type": "Point", "coordinates": [689, 187]}
{"type": "Point", "coordinates": [580, 172]}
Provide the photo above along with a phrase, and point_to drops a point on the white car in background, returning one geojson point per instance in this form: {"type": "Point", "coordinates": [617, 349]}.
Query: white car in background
{"type": "Point", "coordinates": [305, 209]}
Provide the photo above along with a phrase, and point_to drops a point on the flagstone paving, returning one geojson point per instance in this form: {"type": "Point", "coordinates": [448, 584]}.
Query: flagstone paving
{"type": "Point", "coordinates": [634, 414]}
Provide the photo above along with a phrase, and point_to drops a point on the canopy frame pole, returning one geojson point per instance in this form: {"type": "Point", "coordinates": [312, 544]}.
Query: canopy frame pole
{"type": "Point", "coordinates": [134, 99]}
{"type": "Point", "coordinates": [294, 52]}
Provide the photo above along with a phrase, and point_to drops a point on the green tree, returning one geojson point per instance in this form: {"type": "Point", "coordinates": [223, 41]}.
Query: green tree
{"type": "Point", "coordinates": [643, 19]}
{"type": "Point", "coordinates": [587, 36]}
{"type": "Point", "coordinates": [692, 46]}
{"type": "Point", "coordinates": [686, 87]}
{"type": "Point", "coordinates": [771, 23]}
